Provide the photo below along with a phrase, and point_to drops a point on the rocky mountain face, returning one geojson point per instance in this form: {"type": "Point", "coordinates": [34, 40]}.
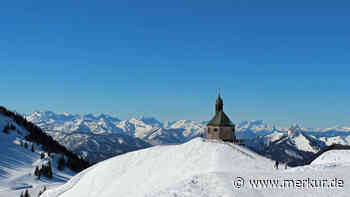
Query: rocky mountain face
{"type": "Point", "coordinates": [293, 147]}
{"type": "Point", "coordinates": [98, 137]}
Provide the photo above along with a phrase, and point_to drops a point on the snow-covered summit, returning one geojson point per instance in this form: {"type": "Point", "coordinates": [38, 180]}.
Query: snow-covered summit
{"type": "Point", "coordinates": [253, 128]}
{"type": "Point", "coordinates": [151, 121]}
{"type": "Point", "coordinates": [198, 168]}
{"type": "Point", "coordinates": [302, 141]}
{"type": "Point", "coordinates": [156, 171]}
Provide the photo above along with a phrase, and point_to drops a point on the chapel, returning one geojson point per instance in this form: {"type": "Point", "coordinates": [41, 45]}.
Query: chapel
{"type": "Point", "coordinates": [220, 127]}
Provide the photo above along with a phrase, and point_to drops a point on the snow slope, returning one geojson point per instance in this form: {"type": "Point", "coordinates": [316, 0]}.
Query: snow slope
{"type": "Point", "coordinates": [17, 164]}
{"type": "Point", "coordinates": [197, 168]}
{"type": "Point", "coordinates": [333, 157]}
{"type": "Point", "coordinates": [151, 171]}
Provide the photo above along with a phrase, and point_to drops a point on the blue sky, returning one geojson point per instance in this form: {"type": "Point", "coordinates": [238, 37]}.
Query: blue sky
{"type": "Point", "coordinates": [283, 62]}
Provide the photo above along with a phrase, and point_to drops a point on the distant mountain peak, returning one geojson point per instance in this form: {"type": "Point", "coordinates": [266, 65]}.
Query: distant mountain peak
{"type": "Point", "coordinates": [295, 130]}
{"type": "Point", "coordinates": [149, 120]}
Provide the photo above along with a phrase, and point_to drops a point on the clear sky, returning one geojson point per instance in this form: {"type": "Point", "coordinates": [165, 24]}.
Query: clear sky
{"type": "Point", "coordinates": [280, 61]}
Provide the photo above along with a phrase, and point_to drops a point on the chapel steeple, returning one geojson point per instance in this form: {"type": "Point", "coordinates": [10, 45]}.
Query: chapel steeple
{"type": "Point", "coordinates": [219, 104]}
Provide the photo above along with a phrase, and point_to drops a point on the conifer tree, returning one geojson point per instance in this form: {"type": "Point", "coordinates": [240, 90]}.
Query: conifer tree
{"type": "Point", "coordinates": [42, 155]}
{"type": "Point", "coordinates": [49, 173]}
{"type": "Point", "coordinates": [61, 163]}
{"type": "Point", "coordinates": [36, 172]}
{"type": "Point", "coordinates": [47, 170]}
{"type": "Point", "coordinates": [26, 193]}
{"type": "Point", "coordinates": [33, 150]}
{"type": "Point", "coordinates": [12, 127]}
{"type": "Point", "coordinates": [6, 129]}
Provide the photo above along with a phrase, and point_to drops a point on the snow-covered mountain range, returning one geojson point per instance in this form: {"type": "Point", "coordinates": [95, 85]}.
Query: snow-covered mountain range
{"type": "Point", "coordinates": [98, 137]}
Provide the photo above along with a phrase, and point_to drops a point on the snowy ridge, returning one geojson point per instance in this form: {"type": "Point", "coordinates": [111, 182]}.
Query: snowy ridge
{"type": "Point", "coordinates": [151, 171]}
{"type": "Point", "coordinates": [333, 157]}
{"type": "Point", "coordinates": [198, 168]}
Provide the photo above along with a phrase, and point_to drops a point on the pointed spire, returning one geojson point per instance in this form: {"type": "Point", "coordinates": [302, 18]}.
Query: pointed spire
{"type": "Point", "coordinates": [219, 103]}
